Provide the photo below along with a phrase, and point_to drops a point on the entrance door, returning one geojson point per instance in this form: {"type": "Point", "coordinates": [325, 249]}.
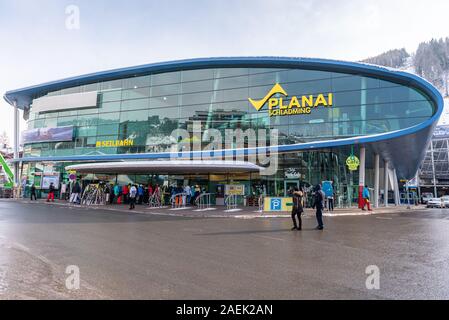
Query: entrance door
{"type": "Point", "coordinates": [290, 185]}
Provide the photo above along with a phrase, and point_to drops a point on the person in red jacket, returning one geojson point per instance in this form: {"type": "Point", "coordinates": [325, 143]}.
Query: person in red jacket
{"type": "Point", "coordinates": [125, 192]}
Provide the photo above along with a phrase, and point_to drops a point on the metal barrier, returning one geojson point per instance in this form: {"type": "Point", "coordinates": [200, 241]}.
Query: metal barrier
{"type": "Point", "coordinates": [155, 200]}
{"type": "Point", "coordinates": [179, 200]}
{"type": "Point", "coordinates": [231, 201]}
{"type": "Point", "coordinates": [203, 201]}
{"type": "Point", "coordinates": [261, 202]}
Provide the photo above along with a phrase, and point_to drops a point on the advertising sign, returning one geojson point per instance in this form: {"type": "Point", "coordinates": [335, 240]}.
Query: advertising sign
{"type": "Point", "coordinates": [278, 204]}
{"type": "Point", "coordinates": [294, 105]}
{"type": "Point", "coordinates": [235, 189]}
{"type": "Point", "coordinates": [328, 189]}
{"type": "Point", "coordinates": [47, 135]}
{"type": "Point", "coordinates": [353, 163]}
{"type": "Point", "coordinates": [47, 180]}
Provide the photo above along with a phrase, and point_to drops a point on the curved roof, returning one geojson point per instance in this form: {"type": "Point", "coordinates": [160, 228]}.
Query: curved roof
{"type": "Point", "coordinates": [394, 146]}
{"type": "Point", "coordinates": [167, 166]}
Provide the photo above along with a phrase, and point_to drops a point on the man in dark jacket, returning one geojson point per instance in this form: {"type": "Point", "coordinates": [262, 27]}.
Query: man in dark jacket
{"type": "Point", "coordinates": [297, 209]}
{"type": "Point", "coordinates": [33, 192]}
{"type": "Point", "coordinates": [318, 204]}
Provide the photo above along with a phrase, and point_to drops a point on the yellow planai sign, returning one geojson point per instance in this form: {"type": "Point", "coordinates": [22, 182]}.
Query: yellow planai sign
{"type": "Point", "coordinates": [115, 143]}
{"type": "Point", "coordinates": [296, 105]}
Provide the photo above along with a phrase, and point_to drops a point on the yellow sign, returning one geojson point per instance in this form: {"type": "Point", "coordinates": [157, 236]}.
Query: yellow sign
{"type": "Point", "coordinates": [115, 143]}
{"type": "Point", "coordinates": [353, 163]}
{"type": "Point", "coordinates": [296, 105]}
{"type": "Point", "coordinates": [277, 204]}
{"type": "Point", "coordinates": [238, 189]}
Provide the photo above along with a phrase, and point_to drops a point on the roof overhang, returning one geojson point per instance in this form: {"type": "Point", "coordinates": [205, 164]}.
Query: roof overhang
{"type": "Point", "coordinates": [167, 167]}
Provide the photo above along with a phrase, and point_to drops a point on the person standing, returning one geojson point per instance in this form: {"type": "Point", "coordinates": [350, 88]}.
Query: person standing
{"type": "Point", "coordinates": [76, 190]}
{"type": "Point", "coordinates": [366, 197]}
{"type": "Point", "coordinates": [117, 192]}
{"type": "Point", "coordinates": [330, 202]}
{"type": "Point", "coordinates": [132, 197]}
{"type": "Point", "coordinates": [297, 209]}
{"type": "Point", "coordinates": [318, 204]}
{"type": "Point", "coordinates": [187, 191]}
{"type": "Point", "coordinates": [140, 193]}
{"type": "Point", "coordinates": [33, 192]}
{"type": "Point", "coordinates": [51, 193]}
{"type": "Point", "coordinates": [125, 193]}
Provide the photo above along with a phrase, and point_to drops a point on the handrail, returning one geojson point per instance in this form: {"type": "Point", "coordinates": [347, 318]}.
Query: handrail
{"type": "Point", "coordinates": [203, 201]}
{"type": "Point", "coordinates": [155, 200]}
{"type": "Point", "coordinates": [261, 202]}
{"type": "Point", "coordinates": [175, 200]}
{"type": "Point", "coordinates": [231, 201]}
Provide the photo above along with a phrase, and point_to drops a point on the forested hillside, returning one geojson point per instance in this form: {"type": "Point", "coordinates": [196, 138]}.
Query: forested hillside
{"type": "Point", "coordinates": [430, 61]}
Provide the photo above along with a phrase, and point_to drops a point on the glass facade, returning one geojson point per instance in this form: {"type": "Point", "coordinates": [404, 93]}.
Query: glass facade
{"type": "Point", "coordinates": [146, 109]}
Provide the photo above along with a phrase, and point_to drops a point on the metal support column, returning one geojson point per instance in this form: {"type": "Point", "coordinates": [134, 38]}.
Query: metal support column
{"type": "Point", "coordinates": [434, 178]}
{"type": "Point", "coordinates": [362, 175]}
{"type": "Point", "coordinates": [376, 180]}
{"type": "Point", "coordinates": [386, 183]}
{"type": "Point", "coordinates": [16, 142]}
{"type": "Point", "coordinates": [396, 189]}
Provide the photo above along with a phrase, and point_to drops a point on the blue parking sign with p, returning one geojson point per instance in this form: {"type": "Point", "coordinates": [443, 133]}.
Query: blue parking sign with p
{"type": "Point", "coordinates": [276, 204]}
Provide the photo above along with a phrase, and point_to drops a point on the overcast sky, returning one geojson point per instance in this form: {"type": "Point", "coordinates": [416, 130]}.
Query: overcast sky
{"type": "Point", "coordinates": [36, 45]}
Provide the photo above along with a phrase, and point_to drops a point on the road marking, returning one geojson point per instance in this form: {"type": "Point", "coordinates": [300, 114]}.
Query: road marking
{"type": "Point", "coordinates": [384, 218]}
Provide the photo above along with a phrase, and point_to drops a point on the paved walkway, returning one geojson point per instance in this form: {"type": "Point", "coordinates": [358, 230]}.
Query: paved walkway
{"type": "Point", "coordinates": [221, 212]}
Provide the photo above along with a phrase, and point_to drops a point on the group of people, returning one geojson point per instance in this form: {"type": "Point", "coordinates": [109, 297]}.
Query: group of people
{"type": "Point", "coordinates": [298, 207]}
{"type": "Point", "coordinates": [318, 203]}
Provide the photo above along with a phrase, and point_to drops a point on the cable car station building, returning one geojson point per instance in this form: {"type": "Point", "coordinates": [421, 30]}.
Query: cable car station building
{"type": "Point", "coordinates": [349, 123]}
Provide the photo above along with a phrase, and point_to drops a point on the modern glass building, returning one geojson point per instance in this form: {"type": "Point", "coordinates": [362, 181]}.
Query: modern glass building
{"type": "Point", "coordinates": [324, 111]}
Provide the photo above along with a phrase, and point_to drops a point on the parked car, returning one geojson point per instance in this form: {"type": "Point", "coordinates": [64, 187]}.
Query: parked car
{"type": "Point", "coordinates": [435, 203]}
{"type": "Point", "coordinates": [426, 196]}
{"type": "Point", "coordinates": [445, 201]}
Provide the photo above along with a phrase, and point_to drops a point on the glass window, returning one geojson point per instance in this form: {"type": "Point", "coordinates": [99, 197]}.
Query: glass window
{"type": "Point", "coordinates": [164, 102]}
{"type": "Point", "coordinates": [86, 131]}
{"type": "Point", "coordinates": [135, 104]}
{"type": "Point", "coordinates": [230, 72]}
{"type": "Point", "coordinates": [231, 83]}
{"type": "Point", "coordinates": [106, 118]}
{"type": "Point", "coordinates": [87, 111]}
{"type": "Point", "coordinates": [91, 87]}
{"type": "Point", "coordinates": [308, 87]}
{"type": "Point", "coordinates": [87, 120]}
{"type": "Point", "coordinates": [235, 95]}
{"type": "Point", "coordinates": [269, 78]}
{"type": "Point", "coordinates": [346, 83]}
{"type": "Point", "coordinates": [171, 113]}
{"type": "Point", "coordinates": [306, 75]}
{"type": "Point", "coordinates": [67, 121]}
{"type": "Point", "coordinates": [197, 86]}
{"type": "Point", "coordinates": [140, 115]}
{"type": "Point", "coordinates": [108, 129]}
{"type": "Point", "coordinates": [51, 122]}
{"type": "Point", "coordinates": [111, 96]}
{"type": "Point", "coordinates": [167, 90]}
{"type": "Point", "coordinates": [199, 98]}
{"type": "Point", "coordinates": [165, 78]}
{"type": "Point", "coordinates": [71, 90]}
{"type": "Point", "coordinates": [110, 85]}
{"type": "Point", "coordinates": [136, 93]}
{"type": "Point", "coordinates": [137, 82]}
{"type": "Point", "coordinates": [194, 75]}
{"type": "Point", "coordinates": [110, 106]}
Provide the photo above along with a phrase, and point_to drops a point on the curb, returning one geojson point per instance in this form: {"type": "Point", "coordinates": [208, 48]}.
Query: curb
{"type": "Point", "coordinates": [255, 215]}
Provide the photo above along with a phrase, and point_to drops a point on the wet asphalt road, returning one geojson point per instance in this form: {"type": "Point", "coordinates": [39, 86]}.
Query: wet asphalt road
{"type": "Point", "coordinates": [128, 256]}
